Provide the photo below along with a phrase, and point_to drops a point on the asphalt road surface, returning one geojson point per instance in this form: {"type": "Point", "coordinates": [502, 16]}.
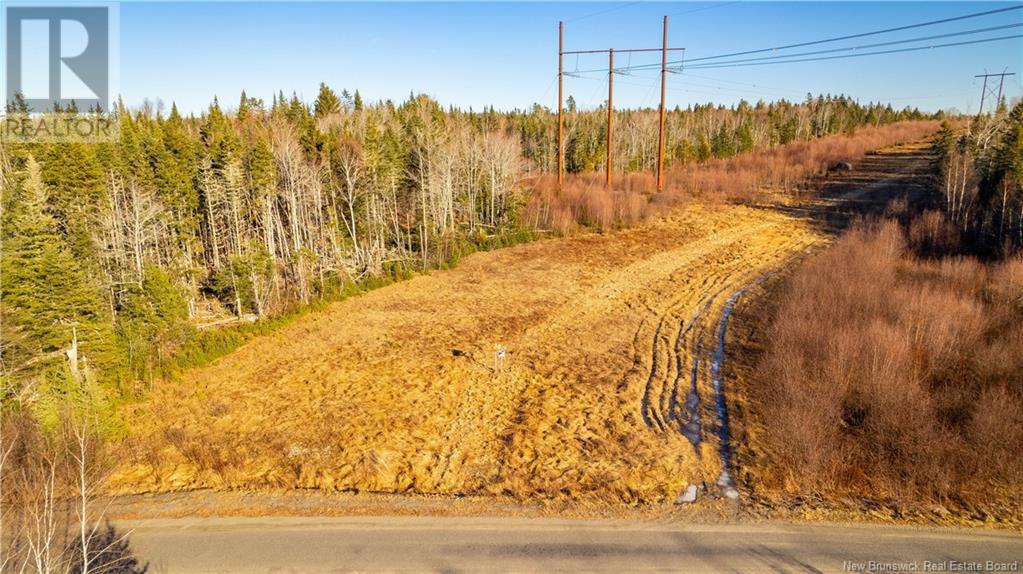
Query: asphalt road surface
{"type": "Point", "coordinates": [392, 544]}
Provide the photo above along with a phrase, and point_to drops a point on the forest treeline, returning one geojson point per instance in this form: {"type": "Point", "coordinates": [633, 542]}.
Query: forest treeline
{"type": "Point", "coordinates": [982, 179]}
{"type": "Point", "coordinates": [114, 252]}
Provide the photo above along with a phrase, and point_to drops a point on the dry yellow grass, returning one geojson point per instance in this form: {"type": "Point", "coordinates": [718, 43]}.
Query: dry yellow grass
{"type": "Point", "coordinates": [396, 390]}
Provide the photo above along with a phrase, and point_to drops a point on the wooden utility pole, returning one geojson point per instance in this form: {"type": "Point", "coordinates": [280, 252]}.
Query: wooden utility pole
{"type": "Point", "coordinates": [664, 49]}
{"type": "Point", "coordinates": [561, 121]}
{"type": "Point", "coordinates": [660, 130]}
{"type": "Point", "coordinates": [610, 110]}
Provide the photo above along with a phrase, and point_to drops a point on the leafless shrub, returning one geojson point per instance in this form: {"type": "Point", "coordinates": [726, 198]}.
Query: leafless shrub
{"type": "Point", "coordinates": [932, 235]}
{"type": "Point", "coordinates": [892, 376]}
{"type": "Point", "coordinates": [49, 520]}
{"type": "Point", "coordinates": [746, 178]}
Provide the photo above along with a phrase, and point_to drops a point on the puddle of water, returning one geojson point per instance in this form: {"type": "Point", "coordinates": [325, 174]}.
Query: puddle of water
{"type": "Point", "coordinates": [690, 425]}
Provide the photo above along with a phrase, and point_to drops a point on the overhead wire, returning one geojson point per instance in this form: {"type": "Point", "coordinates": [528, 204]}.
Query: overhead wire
{"type": "Point", "coordinates": [861, 34]}
{"type": "Point", "coordinates": [718, 5]}
{"type": "Point", "coordinates": [866, 46]}
{"type": "Point", "coordinates": [707, 65]}
{"type": "Point", "coordinates": [683, 66]}
{"type": "Point", "coordinates": [746, 84]}
{"type": "Point", "coordinates": [605, 11]}
{"type": "Point", "coordinates": [881, 52]}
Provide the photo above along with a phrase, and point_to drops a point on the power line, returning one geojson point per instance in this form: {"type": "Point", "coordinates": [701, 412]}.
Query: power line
{"type": "Point", "coordinates": [611, 70]}
{"type": "Point", "coordinates": [740, 91]}
{"type": "Point", "coordinates": [786, 57]}
{"type": "Point", "coordinates": [718, 5]}
{"type": "Point", "coordinates": [984, 91]}
{"type": "Point", "coordinates": [758, 86]}
{"type": "Point", "coordinates": [605, 11]}
{"type": "Point", "coordinates": [822, 58]}
{"type": "Point", "coordinates": [862, 34]}
{"type": "Point", "coordinates": [863, 46]}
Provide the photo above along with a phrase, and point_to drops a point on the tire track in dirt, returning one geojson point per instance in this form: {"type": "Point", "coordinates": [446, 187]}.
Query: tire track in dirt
{"type": "Point", "coordinates": [658, 269]}
{"type": "Point", "coordinates": [723, 430]}
{"type": "Point", "coordinates": [708, 360]}
{"type": "Point", "coordinates": [367, 395]}
{"type": "Point", "coordinates": [662, 382]}
{"type": "Point", "coordinates": [684, 327]}
{"type": "Point", "coordinates": [634, 278]}
{"type": "Point", "coordinates": [683, 411]}
{"type": "Point", "coordinates": [689, 419]}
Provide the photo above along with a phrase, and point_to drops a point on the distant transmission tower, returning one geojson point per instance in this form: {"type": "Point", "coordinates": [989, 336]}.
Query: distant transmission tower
{"type": "Point", "coordinates": [985, 91]}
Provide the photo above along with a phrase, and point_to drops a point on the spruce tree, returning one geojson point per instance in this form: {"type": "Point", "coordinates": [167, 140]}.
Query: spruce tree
{"type": "Point", "coordinates": [327, 102]}
{"type": "Point", "coordinates": [74, 184]}
{"type": "Point", "coordinates": [244, 107]}
{"type": "Point", "coordinates": [47, 297]}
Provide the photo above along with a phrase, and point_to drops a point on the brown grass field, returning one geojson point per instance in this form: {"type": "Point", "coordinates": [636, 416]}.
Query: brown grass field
{"type": "Point", "coordinates": [399, 390]}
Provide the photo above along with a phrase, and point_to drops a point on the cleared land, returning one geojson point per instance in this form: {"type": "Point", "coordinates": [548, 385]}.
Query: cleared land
{"type": "Point", "coordinates": [400, 389]}
{"type": "Point", "coordinates": [609, 389]}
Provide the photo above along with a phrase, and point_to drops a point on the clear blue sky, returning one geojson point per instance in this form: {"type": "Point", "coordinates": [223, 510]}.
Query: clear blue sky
{"type": "Point", "coordinates": [505, 54]}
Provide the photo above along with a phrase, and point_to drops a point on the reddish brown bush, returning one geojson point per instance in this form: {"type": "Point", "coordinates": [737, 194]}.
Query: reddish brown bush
{"type": "Point", "coordinates": [932, 235]}
{"type": "Point", "coordinates": [889, 376]}
{"type": "Point", "coordinates": [746, 178]}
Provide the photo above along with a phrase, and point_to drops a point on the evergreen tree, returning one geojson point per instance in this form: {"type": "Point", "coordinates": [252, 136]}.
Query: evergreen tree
{"type": "Point", "coordinates": [723, 144]}
{"type": "Point", "coordinates": [703, 149]}
{"type": "Point", "coordinates": [74, 181]}
{"type": "Point", "coordinates": [48, 298]}
{"type": "Point", "coordinates": [327, 102]}
{"type": "Point", "coordinates": [19, 105]}
{"type": "Point", "coordinates": [745, 137]}
{"type": "Point", "coordinates": [244, 107]}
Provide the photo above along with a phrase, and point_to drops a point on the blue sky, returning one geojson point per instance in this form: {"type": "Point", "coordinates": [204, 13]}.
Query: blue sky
{"type": "Point", "coordinates": [505, 54]}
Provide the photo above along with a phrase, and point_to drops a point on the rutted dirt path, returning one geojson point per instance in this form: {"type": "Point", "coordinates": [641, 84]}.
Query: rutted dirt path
{"type": "Point", "coordinates": [607, 390]}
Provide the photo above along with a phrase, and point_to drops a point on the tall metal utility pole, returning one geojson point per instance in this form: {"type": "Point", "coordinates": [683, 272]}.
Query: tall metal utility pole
{"type": "Point", "coordinates": [664, 49]}
{"type": "Point", "coordinates": [984, 91]}
{"type": "Point", "coordinates": [561, 121]}
{"type": "Point", "coordinates": [660, 130]}
{"type": "Point", "coordinates": [610, 111]}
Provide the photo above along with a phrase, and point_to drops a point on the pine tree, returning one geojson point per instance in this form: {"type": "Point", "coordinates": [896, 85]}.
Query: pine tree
{"type": "Point", "coordinates": [19, 105]}
{"type": "Point", "coordinates": [175, 179]}
{"type": "Point", "coordinates": [723, 144]}
{"type": "Point", "coordinates": [946, 139]}
{"type": "Point", "coordinates": [745, 137]}
{"type": "Point", "coordinates": [703, 149]}
{"type": "Point", "coordinates": [244, 107]}
{"type": "Point", "coordinates": [327, 102]}
{"type": "Point", "coordinates": [74, 180]}
{"type": "Point", "coordinates": [47, 296]}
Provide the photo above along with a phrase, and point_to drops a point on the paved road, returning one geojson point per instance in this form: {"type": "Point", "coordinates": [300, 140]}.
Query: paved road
{"type": "Point", "coordinates": [547, 545]}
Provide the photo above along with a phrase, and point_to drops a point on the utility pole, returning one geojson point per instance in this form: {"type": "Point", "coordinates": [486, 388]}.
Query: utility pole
{"type": "Point", "coordinates": [660, 131]}
{"type": "Point", "coordinates": [984, 91]}
{"type": "Point", "coordinates": [664, 49]}
{"type": "Point", "coordinates": [561, 121]}
{"type": "Point", "coordinates": [610, 110]}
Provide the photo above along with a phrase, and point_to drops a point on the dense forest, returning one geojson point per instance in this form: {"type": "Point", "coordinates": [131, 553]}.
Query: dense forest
{"type": "Point", "coordinates": [982, 179]}
{"type": "Point", "coordinates": [115, 253]}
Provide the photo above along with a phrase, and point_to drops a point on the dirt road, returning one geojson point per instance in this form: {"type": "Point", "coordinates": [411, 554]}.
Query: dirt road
{"type": "Point", "coordinates": [611, 387]}
{"type": "Point", "coordinates": [508, 545]}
